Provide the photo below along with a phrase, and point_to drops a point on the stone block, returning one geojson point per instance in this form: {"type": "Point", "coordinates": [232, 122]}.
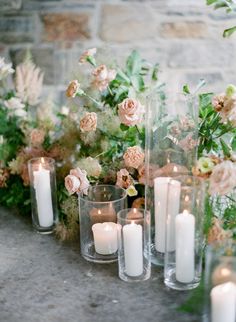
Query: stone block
{"type": "Point", "coordinates": [9, 5]}
{"type": "Point", "coordinates": [42, 57]}
{"type": "Point", "coordinates": [201, 54]}
{"type": "Point", "coordinates": [184, 29]}
{"type": "Point", "coordinates": [121, 23]}
{"type": "Point", "coordinates": [17, 28]}
{"type": "Point", "coordinates": [66, 26]}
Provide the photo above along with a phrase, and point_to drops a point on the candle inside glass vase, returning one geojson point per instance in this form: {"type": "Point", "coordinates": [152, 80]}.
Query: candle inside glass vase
{"type": "Point", "coordinates": [43, 193]}
{"type": "Point", "coordinates": [103, 214]}
{"type": "Point", "coordinates": [105, 238]}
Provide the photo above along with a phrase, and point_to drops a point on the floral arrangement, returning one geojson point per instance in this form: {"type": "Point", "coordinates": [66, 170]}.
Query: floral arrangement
{"type": "Point", "coordinates": [217, 160]}
{"type": "Point", "coordinates": [101, 126]}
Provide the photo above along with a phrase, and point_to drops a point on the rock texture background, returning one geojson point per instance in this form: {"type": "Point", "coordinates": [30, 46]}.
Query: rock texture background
{"type": "Point", "coordinates": [184, 36]}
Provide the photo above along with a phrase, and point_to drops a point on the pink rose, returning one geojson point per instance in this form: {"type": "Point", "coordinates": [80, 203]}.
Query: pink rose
{"type": "Point", "coordinates": [72, 184]}
{"type": "Point", "coordinates": [134, 157]}
{"type": "Point", "coordinates": [37, 137]}
{"type": "Point", "coordinates": [77, 181]}
{"type": "Point", "coordinates": [130, 112]}
{"type": "Point", "coordinates": [223, 178]}
{"type": "Point", "coordinates": [89, 122]}
{"type": "Point", "coordinates": [124, 180]}
{"type": "Point", "coordinates": [103, 76]}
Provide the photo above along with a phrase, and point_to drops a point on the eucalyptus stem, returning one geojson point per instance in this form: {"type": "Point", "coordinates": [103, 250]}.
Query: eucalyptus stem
{"type": "Point", "coordinates": [93, 100]}
{"type": "Point", "coordinates": [138, 130]}
{"type": "Point", "coordinates": [231, 199]}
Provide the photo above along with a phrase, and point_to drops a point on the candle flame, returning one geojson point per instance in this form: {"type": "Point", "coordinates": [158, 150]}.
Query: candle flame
{"type": "Point", "coordinates": [175, 169]}
{"type": "Point", "coordinates": [99, 212]}
{"type": "Point", "coordinates": [185, 212]}
{"type": "Point", "coordinates": [186, 198]}
{"type": "Point", "coordinates": [135, 210]}
{"type": "Point", "coordinates": [225, 272]}
{"type": "Point", "coordinates": [42, 160]}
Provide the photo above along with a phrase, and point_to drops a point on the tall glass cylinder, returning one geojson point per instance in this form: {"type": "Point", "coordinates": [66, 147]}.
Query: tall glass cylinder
{"type": "Point", "coordinates": [220, 283]}
{"type": "Point", "coordinates": [170, 150]}
{"type": "Point", "coordinates": [98, 208]}
{"type": "Point", "coordinates": [184, 233]}
{"type": "Point", "coordinates": [134, 245]}
{"type": "Point", "coordinates": [43, 194]}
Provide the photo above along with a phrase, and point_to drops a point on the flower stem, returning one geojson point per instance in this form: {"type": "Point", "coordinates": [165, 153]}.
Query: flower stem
{"type": "Point", "coordinates": [138, 130]}
{"type": "Point", "coordinates": [93, 100]}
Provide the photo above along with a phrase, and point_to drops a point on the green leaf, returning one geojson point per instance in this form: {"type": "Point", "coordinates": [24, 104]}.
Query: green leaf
{"type": "Point", "coordinates": [121, 76]}
{"type": "Point", "coordinates": [138, 82]}
{"type": "Point", "coordinates": [134, 63]}
{"type": "Point", "coordinates": [210, 2]}
{"type": "Point", "coordinates": [155, 72]}
{"type": "Point", "coordinates": [233, 143]}
{"type": "Point", "coordinates": [124, 127]}
{"type": "Point", "coordinates": [228, 32]}
{"type": "Point", "coordinates": [186, 89]}
{"type": "Point", "coordinates": [225, 148]}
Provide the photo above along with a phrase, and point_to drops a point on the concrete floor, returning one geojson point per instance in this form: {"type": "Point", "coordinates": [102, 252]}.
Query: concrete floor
{"type": "Point", "coordinates": [42, 279]}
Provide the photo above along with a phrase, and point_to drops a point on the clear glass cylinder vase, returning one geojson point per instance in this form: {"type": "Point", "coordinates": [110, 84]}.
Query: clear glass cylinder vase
{"type": "Point", "coordinates": [43, 189]}
{"type": "Point", "coordinates": [98, 208]}
{"type": "Point", "coordinates": [184, 233]}
{"type": "Point", "coordinates": [170, 150]}
{"type": "Point", "coordinates": [134, 244]}
{"type": "Point", "coordinates": [220, 283]}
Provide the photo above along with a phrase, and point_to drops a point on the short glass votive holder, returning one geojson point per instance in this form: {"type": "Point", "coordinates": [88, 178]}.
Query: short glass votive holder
{"type": "Point", "coordinates": [184, 234]}
{"type": "Point", "coordinates": [220, 283]}
{"type": "Point", "coordinates": [98, 208]}
{"type": "Point", "coordinates": [134, 245]}
{"type": "Point", "coordinates": [42, 177]}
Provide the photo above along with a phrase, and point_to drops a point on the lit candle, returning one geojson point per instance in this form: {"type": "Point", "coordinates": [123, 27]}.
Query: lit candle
{"type": "Point", "coordinates": [222, 274]}
{"type": "Point", "coordinates": [136, 215]}
{"type": "Point", "coordinates": [43, 195]}
{"type": "Point", "coordinates": [105, 238]}
{"type": "Point", "coordinates": [165, 195]}
{"type": "Point", "coordinates": [133, 249]}
{"type": "Point", "coordinates": [185, 233]}
{"type": "Point", "coordinates": [223, 303]}
{"type": "Point", "coordinates": [105, 214]}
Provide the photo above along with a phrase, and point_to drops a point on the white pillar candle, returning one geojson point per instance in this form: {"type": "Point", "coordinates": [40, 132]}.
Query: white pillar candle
{"type": "Point", "coordinates": [105, 238]}
{"type": "Point", "coordinates": [43, 195]}
{"type": "Point", "coordinates": [185, 234]}
{"type": "Point", "coordinates": [133, 249]}
{"type": "Point", "coordinates": [165, 194]}
{"type": "Point", "coordinates": [223, 303]}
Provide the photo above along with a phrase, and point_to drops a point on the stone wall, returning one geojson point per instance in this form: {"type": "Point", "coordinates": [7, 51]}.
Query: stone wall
{"type": "Point", "coordinates": [184, 36]}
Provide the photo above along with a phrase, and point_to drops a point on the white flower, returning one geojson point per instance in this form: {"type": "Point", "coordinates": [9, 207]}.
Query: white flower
{"type": "Point", "coordinates": [29, 81]}
{"type": "Point", "coordinates": [205, 165]}
{"type": "Point", "coordinates": [5, 69]}
{"type": "Point", "coordinates": [131, 191]}
{"type": "Point", "coordinates": [223, 178]}
{"type": "Point", "coordinates": [15, 107]}
{"type": "Point", "coordinates": [91, 166]}
{"type": "Point", "coordinates": [65, 110]}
